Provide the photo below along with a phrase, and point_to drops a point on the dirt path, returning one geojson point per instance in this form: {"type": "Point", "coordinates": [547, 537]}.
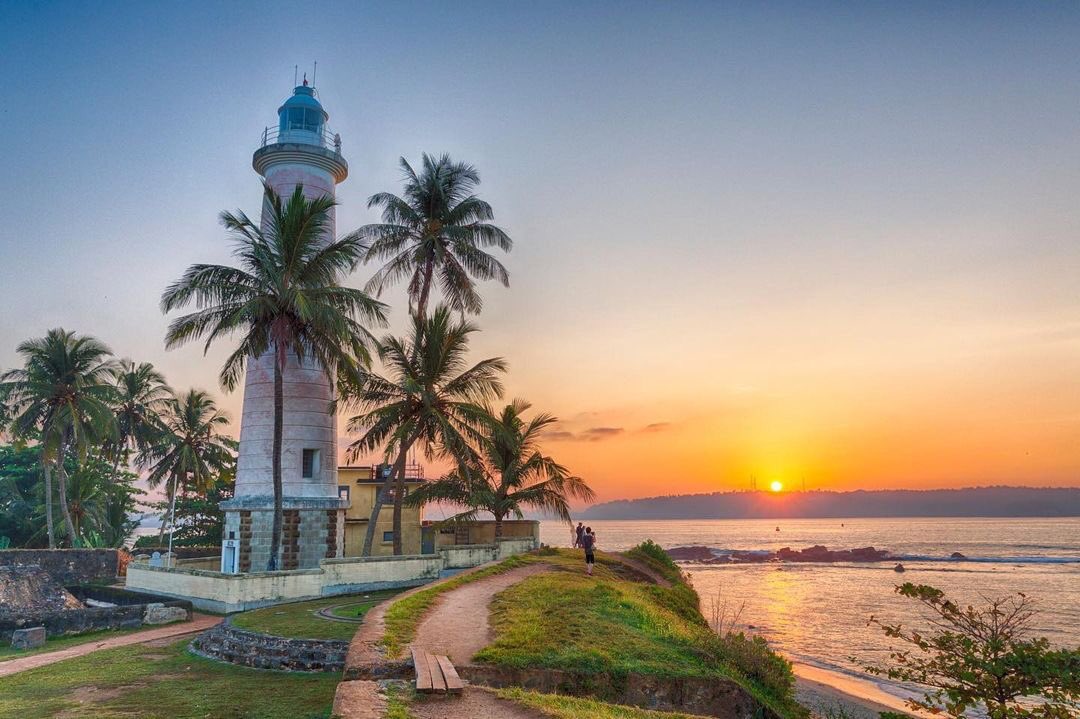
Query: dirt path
{"type": "Point", "coordinates": [457, 625]}
{"type": "Point", "coordinates": [199, 622]}
{"type": "Point", "coordinates": [474, 703]}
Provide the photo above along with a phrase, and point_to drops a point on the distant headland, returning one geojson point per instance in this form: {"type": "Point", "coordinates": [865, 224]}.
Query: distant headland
{"type": "Point", "coordinates": [967, 502]}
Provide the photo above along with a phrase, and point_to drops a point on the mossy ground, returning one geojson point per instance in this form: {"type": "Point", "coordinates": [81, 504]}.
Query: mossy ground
{"type": "Point", "coordinates": [162, 683]}
{"type": "Point", "coordinates": [300, 620]}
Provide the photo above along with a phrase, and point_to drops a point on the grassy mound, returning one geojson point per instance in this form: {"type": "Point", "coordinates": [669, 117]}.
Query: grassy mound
{"type": "Point", "coordinates": [559, 706]}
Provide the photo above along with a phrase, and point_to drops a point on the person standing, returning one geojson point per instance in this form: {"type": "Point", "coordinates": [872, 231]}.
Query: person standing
{"type": "Point", "coordinates": [588, 542]}
{"type": "Point", "coordinates": [580, 532]}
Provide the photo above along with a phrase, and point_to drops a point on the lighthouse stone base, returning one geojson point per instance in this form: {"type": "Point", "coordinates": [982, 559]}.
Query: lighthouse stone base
{"type": "Point", "coordinates": [312, 529]}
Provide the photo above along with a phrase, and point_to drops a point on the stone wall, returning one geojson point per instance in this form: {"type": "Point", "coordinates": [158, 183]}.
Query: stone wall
{"type": "Point", "coordinates": [130, 613]}
{"type": "Point", "coordinates": [68, 566]}
{"type": "Point", "coordinates": [264, 651]}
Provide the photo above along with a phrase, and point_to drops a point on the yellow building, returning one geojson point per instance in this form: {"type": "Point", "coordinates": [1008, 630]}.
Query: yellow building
{"type": "Point", "coordinates": [359, 485]}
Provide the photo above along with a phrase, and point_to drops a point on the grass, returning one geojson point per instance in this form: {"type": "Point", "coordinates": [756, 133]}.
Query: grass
{"type": "Point", "coordinates": [564, 707]}
{"type": "Point", "coordinates": [64, 641]}
{"type": "Point", "coordinates": [300, 620]}
{"type": "Point", "coordinates": [162, 683]}
{"type": "Point", "coordinates": [397, 703]}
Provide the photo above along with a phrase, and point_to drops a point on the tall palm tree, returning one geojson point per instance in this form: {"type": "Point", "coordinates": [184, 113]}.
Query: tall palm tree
{"type": "Point", "coordinates": [430, 395]}
{"type": "Point", "coordinates": [192, 451]}
{"type": "Point", "coordinates": [285, 297]}
{"type": "Point", "coordinates": [507, 471]}
{"type": "Point", "coordinates": [62, 397]}
{"type": "Point", "coordinates": [437, 232]}
{"type": "Point", "coordinates": [141, 394]}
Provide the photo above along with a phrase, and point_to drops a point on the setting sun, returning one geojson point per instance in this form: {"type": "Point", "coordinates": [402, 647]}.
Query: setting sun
{"type": "Point", "coordinates": [776, 486]}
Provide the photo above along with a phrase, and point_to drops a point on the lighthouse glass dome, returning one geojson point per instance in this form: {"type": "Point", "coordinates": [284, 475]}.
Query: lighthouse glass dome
{"type": "Point", "coordinates": [302, 118]}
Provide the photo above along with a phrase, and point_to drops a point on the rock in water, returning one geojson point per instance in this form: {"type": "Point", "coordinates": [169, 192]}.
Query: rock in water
{"type": "Point", "coordinates": [957, 556]}
{"type": "Point", "coordinates": [27, 588]}
{"type": "Point", "coordinates": [899, 568]}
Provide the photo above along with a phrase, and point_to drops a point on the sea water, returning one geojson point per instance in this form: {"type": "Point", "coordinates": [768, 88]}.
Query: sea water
{"type": "Point", "coordinates": [818, 614]}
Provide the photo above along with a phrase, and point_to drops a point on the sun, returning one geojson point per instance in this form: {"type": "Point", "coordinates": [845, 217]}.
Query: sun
{"type": "Point", "coordinates": [776, 485]}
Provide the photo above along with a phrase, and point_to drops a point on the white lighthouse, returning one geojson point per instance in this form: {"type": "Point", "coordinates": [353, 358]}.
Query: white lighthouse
{"type": "Point", "coordinates": [299, 151]}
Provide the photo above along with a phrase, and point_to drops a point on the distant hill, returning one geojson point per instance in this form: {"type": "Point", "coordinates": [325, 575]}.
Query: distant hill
{"type": "Point", "coordinates": [969, 502]}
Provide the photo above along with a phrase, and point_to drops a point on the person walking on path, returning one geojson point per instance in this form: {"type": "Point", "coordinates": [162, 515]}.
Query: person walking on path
{"type": "Point", "coordinates": [588, 542]}
{"type": "Point", "coordinates": [579, 532]}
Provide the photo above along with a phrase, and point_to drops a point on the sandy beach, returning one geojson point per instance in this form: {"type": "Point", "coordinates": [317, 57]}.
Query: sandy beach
{"type": "Point", "coordinates": [824, 692]}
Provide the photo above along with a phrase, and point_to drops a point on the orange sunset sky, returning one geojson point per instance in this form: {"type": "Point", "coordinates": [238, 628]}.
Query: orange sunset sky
{"type": "Point", "coordinates": [840, 248]}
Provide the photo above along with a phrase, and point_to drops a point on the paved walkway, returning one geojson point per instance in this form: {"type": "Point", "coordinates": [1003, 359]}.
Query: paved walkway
{"type": "Point", "coordinates": [198, 623]}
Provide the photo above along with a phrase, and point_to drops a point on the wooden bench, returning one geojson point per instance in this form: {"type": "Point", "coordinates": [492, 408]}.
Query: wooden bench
{"type": "Point", "coordinates": [435, 674]}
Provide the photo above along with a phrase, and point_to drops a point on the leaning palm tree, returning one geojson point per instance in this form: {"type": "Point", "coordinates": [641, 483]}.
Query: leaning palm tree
{"type": "Point", "coordinates": [285, 297]}
{"type": "Point", "coordinates": [141, 394]}
{"type": "Point", "coordinates": [191, 451]}
{"type": "Point", "coordinates": [62, 397]}
{"type": "Point", "coordinates": [436, 233]}
{"type": "Point", "coordinates": [507, 471]}
{"type": "Point", "coordinates": [429, 395]}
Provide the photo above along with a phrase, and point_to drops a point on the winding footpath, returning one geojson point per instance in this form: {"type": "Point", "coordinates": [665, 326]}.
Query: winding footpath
{"type": "Point", "coordinates": [457, 626]}
{"type": "Point", "coordinates": [198, 623]}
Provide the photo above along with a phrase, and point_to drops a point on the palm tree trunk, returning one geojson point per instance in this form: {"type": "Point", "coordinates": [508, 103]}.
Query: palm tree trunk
{"type": "Point", "coordinates": [279, 420]}
{"type": "Point", "coordinates": [46, 471]}
{"type": "Point", "coordinates": [498, 527]}
{"type": "Point", "coordinates": [425, 292]}
{"type": "Point", "coordinates": [399, 496]}
{"type": "Point", "coordinates": [61, 486]}
{"type": "Point", "coordinates": [170, 492]}
{"type": "Point", "coordinates": [380, 499]}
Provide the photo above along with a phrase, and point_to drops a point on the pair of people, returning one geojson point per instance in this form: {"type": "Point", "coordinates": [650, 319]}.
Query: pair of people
{"type": "Point", "coordinates": [585, 538]}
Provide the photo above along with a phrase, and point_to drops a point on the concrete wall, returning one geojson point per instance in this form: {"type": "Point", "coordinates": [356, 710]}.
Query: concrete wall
{"type": "Point", "coordinates": [67, 566]}
{"type": "Point", "coordinates": [483, 531]}
{"type": "Point", "coordinates": [214, 591]}
{"type": "Point", "coordinates": [219, 592]}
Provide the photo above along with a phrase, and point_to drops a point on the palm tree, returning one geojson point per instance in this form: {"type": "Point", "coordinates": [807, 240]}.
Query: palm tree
{"type": "Point", "coordinates": [436, 233]}
{"type": "Point", "coordinates": [62, 397]}
{"type": "Point", "coordinates": [507, 471]}
{"type": "Point", "coordinates": [286, 296]}
{"type": "Point", "coordinates": [141, 396]}
{"type": "Point", "coordinates": [430, 395]}
{"type": "Point", "coordinates": [192, 451]}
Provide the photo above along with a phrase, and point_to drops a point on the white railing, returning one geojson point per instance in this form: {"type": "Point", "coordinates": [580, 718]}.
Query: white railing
{"type": "Point", "coordinates": [298, 132]}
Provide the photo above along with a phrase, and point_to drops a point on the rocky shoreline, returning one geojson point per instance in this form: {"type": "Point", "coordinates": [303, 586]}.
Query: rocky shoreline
{"type": "Point", "coordinates": [704, 555]}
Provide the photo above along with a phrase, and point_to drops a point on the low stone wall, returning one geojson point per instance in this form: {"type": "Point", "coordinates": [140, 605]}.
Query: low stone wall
{"type": "Point", "coordinates": [515, 545]}
{"type": "Point", "coordinates": [131, 612]}
{"type": "Point", "coordinates": [713, 697]}
{"type": "Point", "coordinates": [68, 566]}
{"type": "Point", "coordinates": [182, 552]}
{"type": "Point", "coordinates": [226, 593]}
{"type": "Point", "coordinates": [264, 651]}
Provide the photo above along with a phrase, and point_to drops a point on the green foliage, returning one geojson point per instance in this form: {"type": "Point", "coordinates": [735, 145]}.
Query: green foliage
{"type": "Point", "coordinates": [974, 657]}
{"type": "Point", "coordinates": [751, 657]}
{"type": "Point", "coordinates": [102, 504]}
{"type": "Point", "coordinates": [435, 234]}
{"type": "Point", "coordinates": [505, 471]}
{"type": "Point", "coordinates": [199, 520]}
{"type": "Point", "coordinates": [653, 555]}
{"type": "Point", "coordinates": [429, 395]}
{"type": "Point", "coordinates": [162, 683]}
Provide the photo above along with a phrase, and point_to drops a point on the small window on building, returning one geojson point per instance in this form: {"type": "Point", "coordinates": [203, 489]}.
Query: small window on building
{"type": "Point", "coordinates": [343, 491]}
{"type": "Point", "coordinates": [388, 536]}
{"type": "Point", "coordinates": [310, 461]}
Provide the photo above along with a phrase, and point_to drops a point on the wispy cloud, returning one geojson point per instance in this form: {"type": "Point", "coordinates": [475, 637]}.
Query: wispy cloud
{"type": "Point", "coordinates": [656, 427]}
{"type": "Point", "coordinates": [595, 434]}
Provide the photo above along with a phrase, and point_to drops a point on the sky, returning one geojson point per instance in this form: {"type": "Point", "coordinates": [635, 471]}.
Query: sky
{"type": "Point", "coordinates": [820, 243]}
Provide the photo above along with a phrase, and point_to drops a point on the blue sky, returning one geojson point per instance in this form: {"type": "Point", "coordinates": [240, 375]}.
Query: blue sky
{"type": "Point", "coordinates": [799, 235]}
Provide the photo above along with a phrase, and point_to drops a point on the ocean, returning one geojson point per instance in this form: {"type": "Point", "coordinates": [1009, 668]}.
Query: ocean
{"type": "Point", "coordinates": [817, 614]}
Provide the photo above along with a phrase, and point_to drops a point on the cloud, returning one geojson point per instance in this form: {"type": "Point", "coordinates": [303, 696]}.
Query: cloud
{"type": "Point", "coordinates": [656, 427]}
{"type": "Point", "coordinates": [559, 436]}
{"type": "Point", "coordinates": [595, 434]}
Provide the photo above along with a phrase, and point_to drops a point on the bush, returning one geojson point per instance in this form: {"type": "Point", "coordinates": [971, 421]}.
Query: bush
{"type": "Point", "coordinates": [751, 657]}
{"type": "Point", "coordinates": [652, 554]}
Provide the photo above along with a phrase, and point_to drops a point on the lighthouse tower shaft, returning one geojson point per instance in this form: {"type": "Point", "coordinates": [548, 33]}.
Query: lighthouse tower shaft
{"type": "Point", "coordinates": [300, 151]}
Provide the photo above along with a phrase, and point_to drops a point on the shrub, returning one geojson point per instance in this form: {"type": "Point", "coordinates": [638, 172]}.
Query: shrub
{"type": "Point", "coordinates": [751, 657]}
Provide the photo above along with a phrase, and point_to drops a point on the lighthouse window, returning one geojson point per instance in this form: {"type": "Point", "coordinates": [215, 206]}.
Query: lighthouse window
{"type": "Point", "coordinates": [304, 119]}
{"type": "Point", "coordinates": [310, 463]}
